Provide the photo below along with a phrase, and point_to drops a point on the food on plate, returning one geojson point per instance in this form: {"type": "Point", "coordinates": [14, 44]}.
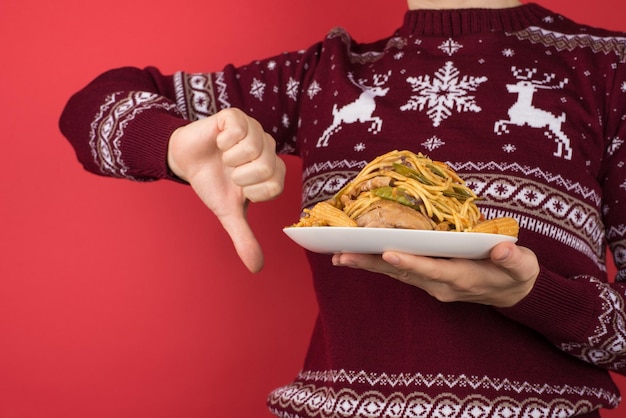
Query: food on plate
{"type": "Point", "coordinates": [401, 189]}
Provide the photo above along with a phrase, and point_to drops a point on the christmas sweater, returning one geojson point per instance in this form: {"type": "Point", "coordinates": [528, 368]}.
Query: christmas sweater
{"type": "Point", "coordinates": [526, 105]}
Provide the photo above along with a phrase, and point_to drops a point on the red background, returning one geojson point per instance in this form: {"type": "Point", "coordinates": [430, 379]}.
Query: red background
{"type": "Point", "coordinates": [123, 300]}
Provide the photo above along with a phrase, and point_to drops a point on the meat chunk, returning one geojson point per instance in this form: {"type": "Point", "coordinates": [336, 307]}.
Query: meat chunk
{"type": "Point", "coordinates": [390, 214]}
{"type": "Point", "coordinates": [373, 183]}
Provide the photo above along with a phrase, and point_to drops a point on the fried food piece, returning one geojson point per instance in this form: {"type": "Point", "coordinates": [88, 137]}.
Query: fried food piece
{"type": "Point", "coordinates": [325, 214]}
{"type": "Point", "coordinates": [502, 226]}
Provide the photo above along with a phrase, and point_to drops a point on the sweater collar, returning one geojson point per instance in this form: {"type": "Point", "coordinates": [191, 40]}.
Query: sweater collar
{"type": "Point", "coordinates": [465, 21]}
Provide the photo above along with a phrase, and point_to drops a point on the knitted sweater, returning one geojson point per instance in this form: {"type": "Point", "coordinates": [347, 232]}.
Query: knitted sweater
{"type": "Point", "coordinates": [526, 105]}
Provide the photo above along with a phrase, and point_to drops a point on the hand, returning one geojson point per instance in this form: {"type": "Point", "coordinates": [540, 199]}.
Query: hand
{"type": "Point", "coordinates": [502, 280]}
{"type": "Point", "coordinates": [229, 160]}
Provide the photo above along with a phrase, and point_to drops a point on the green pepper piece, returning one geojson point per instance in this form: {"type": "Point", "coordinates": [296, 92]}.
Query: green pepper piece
{"type": "Point", "coordinates": [411, 173]}
{"type": "Point", "coordinates": [399, 195]}
{"type": "Point", "coordinates": [436, 170]}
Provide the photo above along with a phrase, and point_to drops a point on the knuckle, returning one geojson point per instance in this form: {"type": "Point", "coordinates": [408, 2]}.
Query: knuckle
{"type": "Point", "coordinates": [262, 192]}
{"type": "Point", "coordinates": [274, 189]}
{"type": "Point", "coordinates": [264, 172]}
{"type": "Point", "coordinates": [249, 151]}
{"type": "Point", "coordinates": [444, 297]}
{"type": "Point", "coordinates": [403, 276]}
{"type": "Point", "coordinates": [232, 112]}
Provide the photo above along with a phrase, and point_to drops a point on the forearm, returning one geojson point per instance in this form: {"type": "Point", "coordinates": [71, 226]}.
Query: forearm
{"type": "Point", "coordinates": [581, 316]}
{"type": "Point", "coordinates": [120, 124]}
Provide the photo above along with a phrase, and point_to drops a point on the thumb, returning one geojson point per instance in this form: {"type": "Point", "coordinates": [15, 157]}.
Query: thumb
{"type": "Point", "coordinates": [245, 243]}
{"type": "Point", "coordinates": [519, 262]}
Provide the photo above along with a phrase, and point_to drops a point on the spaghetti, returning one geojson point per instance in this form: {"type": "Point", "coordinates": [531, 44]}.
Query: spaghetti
{"type": "Point", "coordinates": [390, 185]}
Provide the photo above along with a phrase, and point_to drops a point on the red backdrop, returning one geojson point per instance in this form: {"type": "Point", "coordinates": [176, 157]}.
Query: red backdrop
{"type": "Point", "coordinates": [126, 300]}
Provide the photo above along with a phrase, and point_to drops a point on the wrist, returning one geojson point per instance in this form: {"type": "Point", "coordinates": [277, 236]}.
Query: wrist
{"type": "Point", "coordinates": [172, 162]}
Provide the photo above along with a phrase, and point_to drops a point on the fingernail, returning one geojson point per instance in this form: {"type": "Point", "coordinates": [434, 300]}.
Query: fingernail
{"type": "Point", "coordinates": [393, 259]}
{"type": "Point", "coordinates": [502, 254]}
{"type": "Point", "coordinates": [338, 261]}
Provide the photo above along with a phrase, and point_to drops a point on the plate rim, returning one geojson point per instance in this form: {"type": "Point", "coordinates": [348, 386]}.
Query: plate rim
{"type": "Point", "coordinates": [481, 252]}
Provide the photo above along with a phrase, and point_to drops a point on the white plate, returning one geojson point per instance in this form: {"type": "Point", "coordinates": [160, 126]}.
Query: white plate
{"type": "Point", "coordinates": [331, 239]}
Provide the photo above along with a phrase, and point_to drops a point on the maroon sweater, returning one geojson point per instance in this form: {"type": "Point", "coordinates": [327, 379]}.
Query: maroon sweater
{"type": "Point", "coordinates": [525, 104]}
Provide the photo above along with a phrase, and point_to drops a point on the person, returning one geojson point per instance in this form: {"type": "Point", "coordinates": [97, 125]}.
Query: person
{"type": "Point", "coordinates": [525, 104]}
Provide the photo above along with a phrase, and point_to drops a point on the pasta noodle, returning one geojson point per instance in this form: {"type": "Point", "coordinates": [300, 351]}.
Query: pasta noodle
{"type": "Point", "coordinates": [428, 187]}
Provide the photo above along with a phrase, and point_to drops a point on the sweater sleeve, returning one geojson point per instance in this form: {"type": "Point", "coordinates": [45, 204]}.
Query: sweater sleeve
{"type": "Point", "coordinates": [586, 316]}
{"type": "Point", "coordinates": [119, 124]}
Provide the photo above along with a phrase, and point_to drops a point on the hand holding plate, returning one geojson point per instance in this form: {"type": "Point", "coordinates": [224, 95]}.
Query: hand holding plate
{"type": "Point", "coordinates": [501, 280]}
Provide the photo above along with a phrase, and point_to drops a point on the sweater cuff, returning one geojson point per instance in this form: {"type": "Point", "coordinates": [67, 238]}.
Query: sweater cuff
{"type": "Point", "coordinates": [559, 308]}
{"type": "Point", "coordinates": [145, 145]}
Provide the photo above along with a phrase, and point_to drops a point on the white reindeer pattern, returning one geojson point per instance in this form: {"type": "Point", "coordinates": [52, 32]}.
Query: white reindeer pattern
{"type": "Point", "coordinates": [524, 113]}
{"type": "Point", "coordinates": [361, 110]}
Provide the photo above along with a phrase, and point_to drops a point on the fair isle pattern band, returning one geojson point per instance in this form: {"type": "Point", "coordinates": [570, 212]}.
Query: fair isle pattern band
{"type": "Point", "coordinates": [552, 230]}
{"type": "Point", "coordinates": [196, 96]}
{"type": "Point", "coordinates": [560, 208]}
{"type": "Point", "coordinates": [324, 186]}
{"type": "Point", "coordinates": [519, 170]}
{"type": "Point", "coordinates": [553, 213]}
{"type": "Point", "coordinates": [308, 397]}
{"type": "Point", "coordinates": [399, 380]}
{"type": "Point", "coordinates": [107, 128]}
{"type": "Point", "coordinates": [329, 403]}
{"type": "Point", "coordinates": [606, 346]}
{"type": "Point", "coordinates": [222, 95]}
{"type": "Point", "coordinates": [351, 165]}
{"type": "Point", "coordinates": [321, 181]}
{"type": "Point", "coordinates": [562, 41]}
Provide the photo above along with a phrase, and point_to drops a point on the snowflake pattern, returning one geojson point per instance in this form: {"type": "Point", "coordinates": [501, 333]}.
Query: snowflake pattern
{"type": "Point", "coordinates": [531, 196]}
{"type": "Point", "coordinates": [359, 147]}
{"type": "Point", "coordinates": [442, 94]}
{"type": "Point", "coordinates": [450, 47]}
{"type": "Point", "coordinates": [292, 89]}
{"type": "Point", "coordinates": [258, 89]}
{"type": "Point", "coordinates": [624, 87]}
{"type": "Point", "coordinates": [433, 143]}
{"type": "Point", "coordinates": [508, 52]}
{"type": "Point", "coordinates": [271, 65]}
{"type": "Point", "coordinates": [313, 89]}
{"type": "Point", "coordinates": [501, 189]}
{"type": "Point", "coordinates": [509, 148]}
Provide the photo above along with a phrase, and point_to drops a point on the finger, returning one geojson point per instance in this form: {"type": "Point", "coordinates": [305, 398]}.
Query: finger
{"type": "Point", "coordinates": [246, 245]}
{"type": "Point", "coordinates": [232, 125]}
{"type": "Point", "coordinates": [269, 189]}
{"type": "Point", "coordinates": [433, 268]}
{"type": "Point", "coordinates": [370, 262]}
{"type": "Point", "coordinates": [241, 139]}
{"type": "Point", "coordinates": [519, 262]}
{"type": "Point", "coordinates": [261, 168]}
